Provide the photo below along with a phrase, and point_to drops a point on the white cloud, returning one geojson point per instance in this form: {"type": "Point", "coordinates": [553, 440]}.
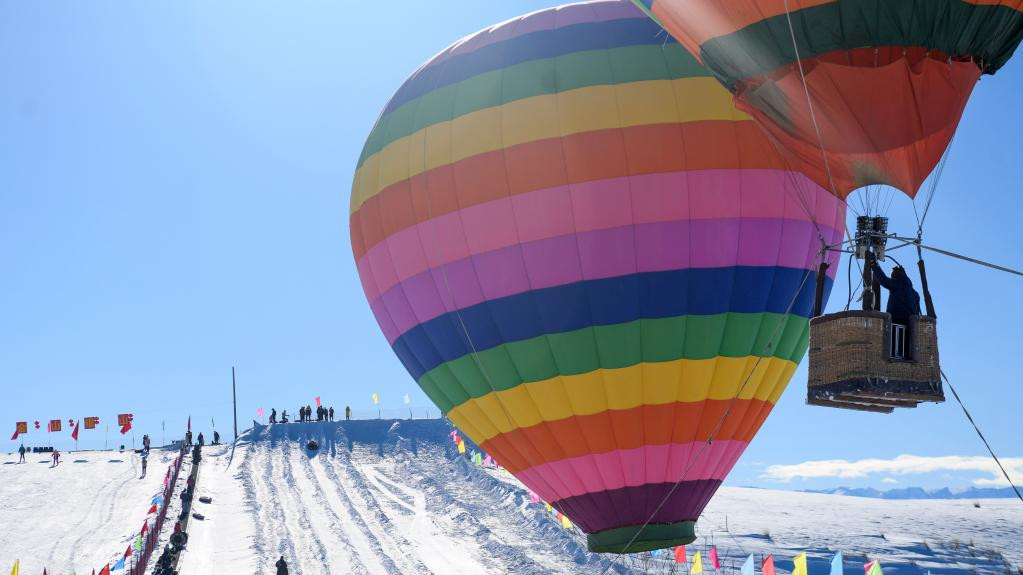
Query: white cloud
{"type": "Point", "coordinates": [901, 465]}
{"type": "Point", "coordinates": [889, 480]}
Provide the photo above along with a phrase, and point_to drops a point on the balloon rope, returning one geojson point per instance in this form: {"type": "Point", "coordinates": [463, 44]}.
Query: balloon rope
{"type": "Point", "coordinates": [724, 416]}
{"type": "Point", "coordinates": [809, 102]}
{"type": "Point", "coordinates": [981, 435]}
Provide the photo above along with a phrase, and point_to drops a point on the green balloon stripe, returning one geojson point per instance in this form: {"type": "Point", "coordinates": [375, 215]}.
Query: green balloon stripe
{"type": "Point", "coordinates": [660, 61]}
{"type": "Point", "coordinates": [691, 337]}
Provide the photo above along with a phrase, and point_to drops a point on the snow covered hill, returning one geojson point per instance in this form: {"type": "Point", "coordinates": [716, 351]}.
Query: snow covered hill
{"type": "Point", "coordinates": [384, 496]}
{"type": "Point", "coordinates": [78, 515]}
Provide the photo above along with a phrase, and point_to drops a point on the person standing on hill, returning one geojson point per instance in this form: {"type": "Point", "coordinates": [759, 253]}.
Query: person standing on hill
{"type": "Point", "coordinates": [201, 440]}
{"type": "Point", "coordinates": [301, 413]}
{"type": "Point", "coordinates": [330, 412]}
{"type": "Point", "coordinates": [56, 458]}
{"type": "Point", "coordinates": [216, 437]}
{"type": "Point", "coordinates": [145, 460]}
{"type": "Point", "coordinates": [282, 566]}
{"type": "Point", "coordinates": [308, 413]}
{"type": "Point", "coordinates": [21, 453]}
{"type": "Point", "coordinates": [348, 412]}
{"type": "Point", "coordinates": [273, 415]}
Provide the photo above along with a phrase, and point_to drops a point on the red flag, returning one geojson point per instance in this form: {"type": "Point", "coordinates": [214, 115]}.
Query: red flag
{"type": "Point", "coordinates": [54, 425]}
{"type": "Point", "coordinates": [105, 570]}
{"type": "Point", "coordinates": [680, 554]}
{"type": "Point", "coordinates": [768, 568]}
{"type": "Point", "coordinates": [714, 558]}
{"type": "Point", "coordinates": [317, 401]}
{"type": "Point", "coordinates": [74, 434]}
{"type": "Point", "coordinates": [152, 509]}
{"type": "Point", "coordinates": [145, 528]}
{"type": "Point", "coordinates": [91, 422]}
{"type": "Point", "coordinates": [866, 567]}
{"type": "Point", "coordinates": [19, 428]}
{"type": "Point", "coordinates": [127, 552]}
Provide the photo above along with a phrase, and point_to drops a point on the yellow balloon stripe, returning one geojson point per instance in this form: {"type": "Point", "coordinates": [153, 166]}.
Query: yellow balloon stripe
{"type": "Point", "coordinates": [543, 117]}
{"type": "Point", "coordinates": [657, 383]}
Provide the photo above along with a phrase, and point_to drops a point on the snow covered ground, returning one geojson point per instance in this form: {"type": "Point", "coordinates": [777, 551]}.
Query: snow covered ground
{"type": "Point", "coordinates": [395, 497]}
{"type": "Point", "coordinates": [75, 516]}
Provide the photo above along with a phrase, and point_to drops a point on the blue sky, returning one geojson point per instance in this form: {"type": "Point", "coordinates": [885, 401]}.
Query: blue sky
{"type": "Point", "coordinates": [174, 186]}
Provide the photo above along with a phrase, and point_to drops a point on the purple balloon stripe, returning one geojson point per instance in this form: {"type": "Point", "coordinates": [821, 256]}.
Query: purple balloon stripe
{"type": "Point", "coordinates": [598, 254]}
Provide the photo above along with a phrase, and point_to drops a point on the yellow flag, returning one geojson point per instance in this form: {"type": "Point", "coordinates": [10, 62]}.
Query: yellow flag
{"type": "Point", "coordinates": [15, 570]}
{"type": "Point", "coordinates": [697, 564]}
{"type": "Point", "coordinates": [566, 522]}
{"type": "Point", "coordinates": [461, 446]}
{"type": "Point", "coordinates": [376, 399]}
{"type": "Point", "coordinates": [800, 564]}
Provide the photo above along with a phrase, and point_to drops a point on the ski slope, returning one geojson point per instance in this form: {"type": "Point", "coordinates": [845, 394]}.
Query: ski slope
{"type": "Point", "coordinates": [78, 515]}
{"type": "Point", "coordinates": [395, 497]}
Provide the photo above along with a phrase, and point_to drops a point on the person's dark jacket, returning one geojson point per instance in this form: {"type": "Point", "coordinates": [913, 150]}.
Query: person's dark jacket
{"type": "Point", "coordinates": [903, 301]}
{"type": "Point", "coordinates": [282, 567]}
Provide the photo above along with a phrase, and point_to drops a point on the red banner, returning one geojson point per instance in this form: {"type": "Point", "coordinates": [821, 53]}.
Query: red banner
{"type": "Point", "coordinates": [91, 422]}
{"type": "Point", "coordinates": [19, 428]}
{"type": "Point", "coordinates": [124, 419]}
{"type": "Point", "coordinates": [54, 425]}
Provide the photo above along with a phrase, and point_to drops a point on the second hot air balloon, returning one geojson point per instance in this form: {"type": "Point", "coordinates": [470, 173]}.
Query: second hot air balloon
{"type": "Point", "coordinates": [855, 92]}
{"type": "Point", "coordinates": [591, 262]}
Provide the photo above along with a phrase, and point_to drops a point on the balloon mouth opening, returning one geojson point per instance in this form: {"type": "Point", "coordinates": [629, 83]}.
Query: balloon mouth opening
{"type": "Point", "coordinates": [636, 538]}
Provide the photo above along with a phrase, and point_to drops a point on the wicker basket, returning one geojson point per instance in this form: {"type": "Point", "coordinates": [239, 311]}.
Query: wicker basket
{"type": "Point", "coordinates": [851, 365]}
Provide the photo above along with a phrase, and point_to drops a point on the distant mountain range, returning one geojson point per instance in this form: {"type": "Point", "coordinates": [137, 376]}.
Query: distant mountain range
{"type": "Point", "coordinates": [919, 493]}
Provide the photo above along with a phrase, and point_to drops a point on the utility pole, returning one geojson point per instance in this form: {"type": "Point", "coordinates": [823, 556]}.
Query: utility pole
{"type": "Point", "coordinates": [234, 398]}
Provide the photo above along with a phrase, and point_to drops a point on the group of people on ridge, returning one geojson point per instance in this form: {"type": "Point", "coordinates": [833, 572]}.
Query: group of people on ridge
{"type": "Point", "coordinates": [306, 414]}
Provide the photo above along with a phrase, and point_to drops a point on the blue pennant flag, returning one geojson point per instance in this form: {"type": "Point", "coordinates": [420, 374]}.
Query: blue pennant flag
{"type": "Point", "coordinates": [118, 565]}
{"type": "Point", "coordinates": [747, 567]}
{"type": "Point", "coordinates": [836, 564]}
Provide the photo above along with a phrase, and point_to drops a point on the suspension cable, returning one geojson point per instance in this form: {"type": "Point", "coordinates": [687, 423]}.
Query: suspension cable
{"type": "Point", "coordinates": [959, 256]}
{"type": "Point", "coordinates": [981, 435]}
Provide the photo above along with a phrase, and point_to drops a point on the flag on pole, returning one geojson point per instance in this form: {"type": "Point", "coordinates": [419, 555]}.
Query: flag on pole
{"type": "Point", "coordinates": [408, 400]}
{"type": "Point", "coordinates": [19, 428]}
{"type": "Point", "coordinates": [74, 434]}
{"type": "Point", "coordinates": [697, 564]}
{"type": "Point", "coordinates": [138, 543]}
{"type": "Point", "coordinates": [105, 570]}
{"type": "Point", "coordinates": [566, 522]}
{"type": "Point", "coordinates": [533, 497]}
{"type": "Point", "coordinates": [461, 446]}
{"type": "Point", "coordinates": [875, 568]}
{"type": "Point", "coordinates": [118, 565]}
{"type": "Point", "coordinates": [213, 424]}
{"type": "Point", "coordinates": [259, 412]}
{"type": "Point", "coordinates": [317, 401]}
{"type": "Point", "coordinates": [152, 510]}
{"type": "Point", "coordinates": [747, 567]}
{"type": "Point", "coordinates": [836, 564]}
{"type": "Point", "coordinates": [680, 554]}
{"type": "Point", "coordinates": [714, 558]}
{"type": "Point", "coordinates": [376, 398]}
{"type": "Point", "coordinates": [768, 568]}
{"type": "Point", "coordinates": [15, 570]}
{"type": "Point", "coordinates": [799, 564]}
{"type": "Point", "coordinates": [189, 428]}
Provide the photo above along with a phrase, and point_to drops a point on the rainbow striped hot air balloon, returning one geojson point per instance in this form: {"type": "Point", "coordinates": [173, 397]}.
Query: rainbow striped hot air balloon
{"type": "Point", "coordinates": [583, 254]}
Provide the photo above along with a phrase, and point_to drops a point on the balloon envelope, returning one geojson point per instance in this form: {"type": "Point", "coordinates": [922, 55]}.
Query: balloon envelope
{"type": "Point", "coordinates": [887, 80]}
{"type": "Point", "coordinates": [586, 256]}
